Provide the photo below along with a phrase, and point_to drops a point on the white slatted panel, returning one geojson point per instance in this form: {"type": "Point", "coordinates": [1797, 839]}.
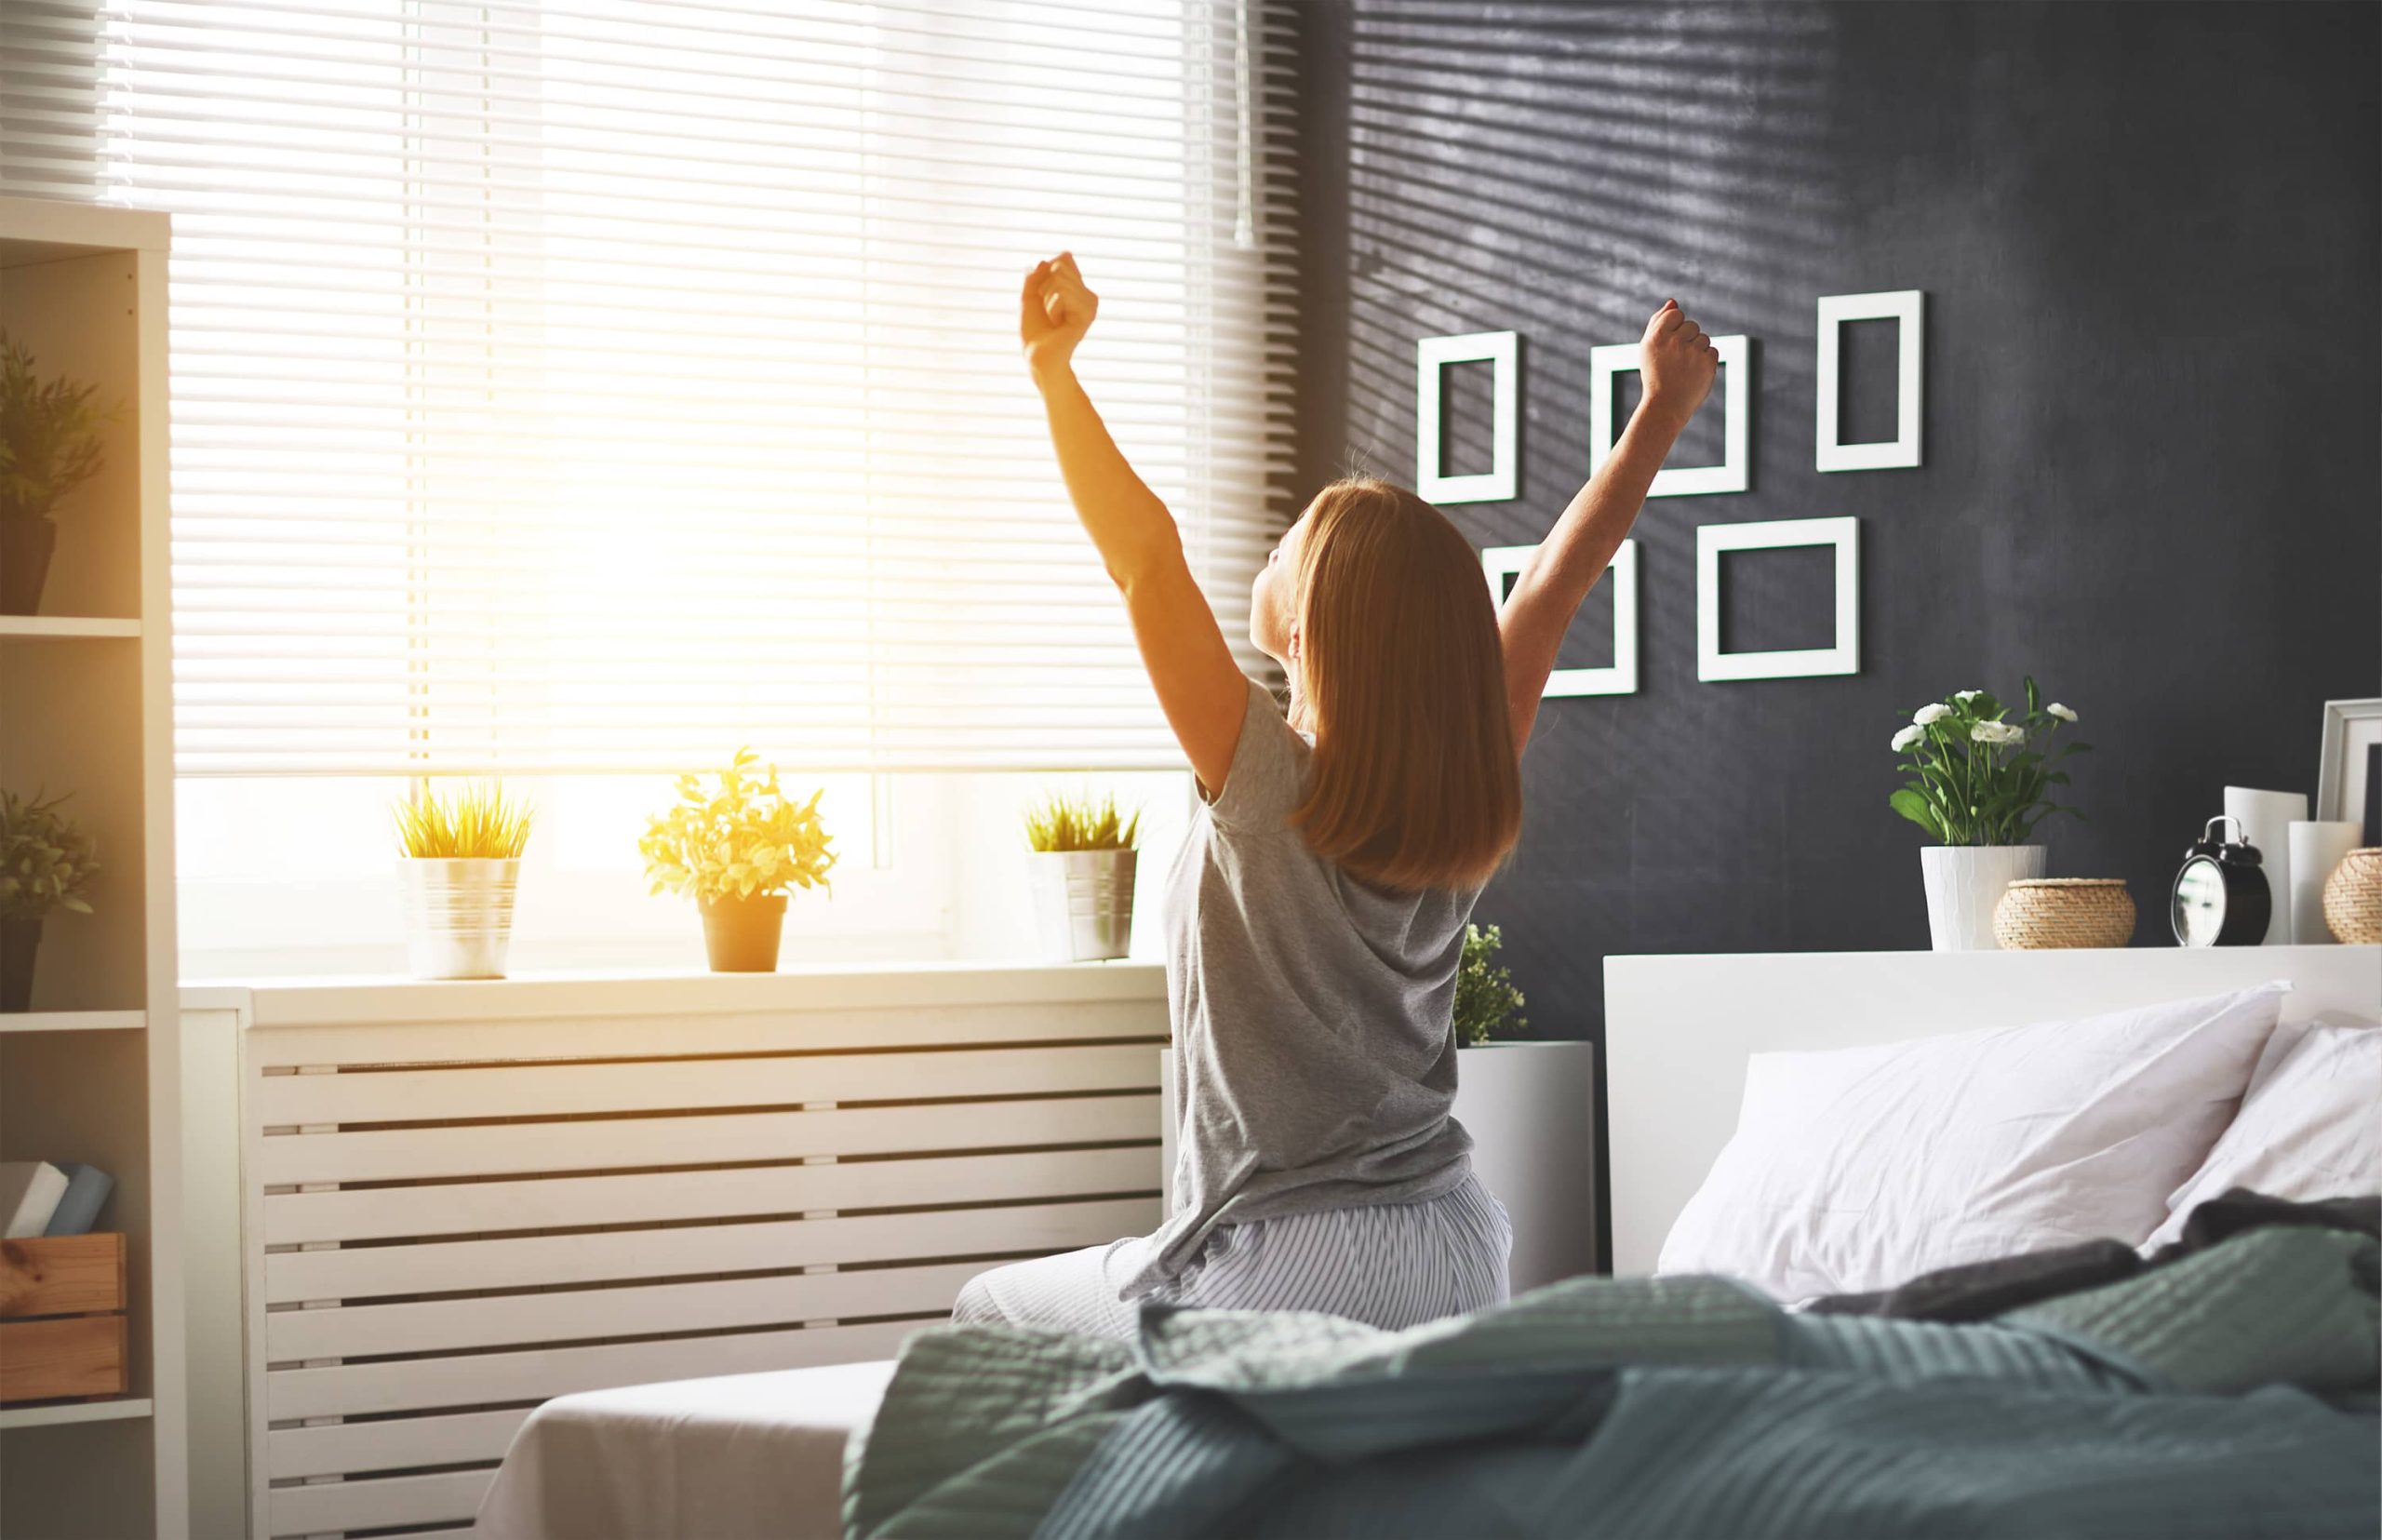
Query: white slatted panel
{"type": "Point", "coordinates": [565, 385]}
{"type": "Point", "coordinates": [381, 1212]}
{"type": "Point", "coordinates": [412, 1153]}
{"type": "Point", "coordinates": [581, 1203]}
{"type": "Point", "coordinates": [393, 1095]}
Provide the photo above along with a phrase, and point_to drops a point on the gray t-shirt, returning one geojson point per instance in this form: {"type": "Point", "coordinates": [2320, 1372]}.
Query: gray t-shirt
{"type": "Point", "coordinates": [1315, 1054]}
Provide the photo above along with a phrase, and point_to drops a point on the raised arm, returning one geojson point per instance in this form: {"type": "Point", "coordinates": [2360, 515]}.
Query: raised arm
{"type": "Point", "coordinates": [1677, 364]}
{"type": "Point", "coordinates": [1200, 688]}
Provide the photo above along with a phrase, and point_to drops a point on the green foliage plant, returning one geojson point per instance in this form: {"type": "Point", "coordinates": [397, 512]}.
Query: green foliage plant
{"type": "Point", "coordinates": [1981, 773]}
{"type": "Point", "coordinates": [46, 862]}
{"type": "Point", "coordinates": [1487, 1004]}
{"type": "Point", "coordinates": [1080, 823]}
{"type": "Point", "coordinates": [477, 823]}
{"type": "Point", "coordinates": [745, 838]}
{"type": "Point", "coordinates": [49, 434]}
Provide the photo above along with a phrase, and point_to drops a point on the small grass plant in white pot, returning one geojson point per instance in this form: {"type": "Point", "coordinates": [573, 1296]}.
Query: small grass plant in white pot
{"type": "Point", "coordinates": [461, 870]}
{"type": "Point", "coordinates": [1982, 777]}
{"type": "Point", "coordinates": [735, 849]}
{"type": "Point", "coordinates": [47, 865]}
{"type": "Point", "coordinates": [1083, 855]}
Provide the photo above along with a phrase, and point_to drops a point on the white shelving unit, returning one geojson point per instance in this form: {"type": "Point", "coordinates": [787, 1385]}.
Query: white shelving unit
{"type": "Point", "coordinates": [93, 1072]}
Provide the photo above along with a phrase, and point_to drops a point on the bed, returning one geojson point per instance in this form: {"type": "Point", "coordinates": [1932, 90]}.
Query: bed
{"type": "Point", "coordinates": [763, 1453]}
{"type": "Point", "coordinates": [730, 1455]}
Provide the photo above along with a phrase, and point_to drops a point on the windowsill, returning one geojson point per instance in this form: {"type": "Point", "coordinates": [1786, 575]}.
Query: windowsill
{"type": "Point", "coordinates": [327, 1001]}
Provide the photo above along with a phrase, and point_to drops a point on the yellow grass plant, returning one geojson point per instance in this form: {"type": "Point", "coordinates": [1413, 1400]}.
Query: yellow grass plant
{"type": "Point", "coordinates": [477, 822]}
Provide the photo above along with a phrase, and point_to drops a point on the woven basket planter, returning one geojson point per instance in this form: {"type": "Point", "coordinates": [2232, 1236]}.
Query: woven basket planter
{"type": "Point", "coordinates": [2353, 898]}
{"type": "Point", "coordinates": [2042, 913]}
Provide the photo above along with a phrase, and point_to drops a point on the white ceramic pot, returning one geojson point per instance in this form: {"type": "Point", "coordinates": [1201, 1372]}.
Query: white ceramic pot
{"type": "Point", "coordinates": [459, 916]}
{"type": "Point", "coordinates": [1083, 903]}
{"type": "Point", "coordinates": [1964, 882]}
{"type": "Point", "coordinates": [1530, 1109]}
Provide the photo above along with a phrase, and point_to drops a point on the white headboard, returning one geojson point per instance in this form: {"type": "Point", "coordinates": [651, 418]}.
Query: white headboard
{"type": "Point", "coordinates": [1679, 1030]}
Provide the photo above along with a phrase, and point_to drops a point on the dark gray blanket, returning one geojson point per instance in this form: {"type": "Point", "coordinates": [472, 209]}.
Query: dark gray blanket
{"type": "Point", "coordinates": [2228, 1395]}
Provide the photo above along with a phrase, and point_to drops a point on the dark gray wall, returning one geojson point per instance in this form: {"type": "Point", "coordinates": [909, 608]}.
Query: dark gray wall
{"type": "Point", "coordinates": [2153, 477]}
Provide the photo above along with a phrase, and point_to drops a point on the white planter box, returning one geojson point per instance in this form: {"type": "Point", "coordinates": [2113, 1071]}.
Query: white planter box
{"type": "Point", "coordinates": [1531, 1108]}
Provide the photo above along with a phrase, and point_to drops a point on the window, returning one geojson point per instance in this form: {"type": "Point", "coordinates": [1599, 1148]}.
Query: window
{"type": "Point", "coordinates": [576, 388]}
{"type": "Point", "coordinates": [582, 385]}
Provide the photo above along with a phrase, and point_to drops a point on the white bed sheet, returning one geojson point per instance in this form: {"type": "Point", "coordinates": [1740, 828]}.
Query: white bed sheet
{"type": "Point", "coordinates": [727, 1458]}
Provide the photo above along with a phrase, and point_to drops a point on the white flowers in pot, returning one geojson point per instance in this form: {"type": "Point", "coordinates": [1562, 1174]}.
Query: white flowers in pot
{"type": "Point", "coordinates": [1083, 861]}
{"type": "Point", "coordinates": [461, 867]}
{"type": "Point", "coordinates": [1980, 780]}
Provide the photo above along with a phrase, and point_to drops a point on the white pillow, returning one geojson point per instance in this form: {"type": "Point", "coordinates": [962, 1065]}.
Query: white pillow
{"type": "Point", "coordinates": [1862, 1168]}
{"type": "Point", "coordinates": [2311, 1126]}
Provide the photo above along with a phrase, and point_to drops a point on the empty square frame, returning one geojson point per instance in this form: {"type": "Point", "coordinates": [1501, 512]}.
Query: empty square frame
{"type": "Point", "coordinates": [1504, 561]}
{"type": "Point", "coordinates": [1844, 657]}
{"type": "Point", "coordinates": [1905, 305]}
{"type": "Point", "coordinates": [1734, 473]}
{"type": "Point", "coordinates": [1501, 350]}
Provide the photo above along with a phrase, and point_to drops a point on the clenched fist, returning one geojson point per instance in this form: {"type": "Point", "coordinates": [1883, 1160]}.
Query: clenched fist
{"type": "Point", "coordinates": [1679, 362]}
{"type": "Point", "coordinates": [1054, 312]}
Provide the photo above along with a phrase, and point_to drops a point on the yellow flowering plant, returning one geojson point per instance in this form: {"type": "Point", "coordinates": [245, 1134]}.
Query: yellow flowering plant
{"type": "Point", "coordinates": [745, 839]}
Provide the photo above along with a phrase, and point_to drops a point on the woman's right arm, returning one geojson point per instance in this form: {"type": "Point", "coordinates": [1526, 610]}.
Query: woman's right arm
{"type": "Point", "coordinates": [1677, 364]}
{"type": "Point", "coordinates": [1200, 688]}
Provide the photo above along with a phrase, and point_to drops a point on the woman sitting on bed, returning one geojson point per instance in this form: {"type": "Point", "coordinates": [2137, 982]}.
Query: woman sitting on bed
{"type": "Point", "coordinates": [1316, 915]}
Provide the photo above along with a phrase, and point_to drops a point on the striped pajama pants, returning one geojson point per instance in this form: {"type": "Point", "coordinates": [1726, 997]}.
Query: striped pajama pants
{"type": "Point", "coordinates": [1390, 1264]}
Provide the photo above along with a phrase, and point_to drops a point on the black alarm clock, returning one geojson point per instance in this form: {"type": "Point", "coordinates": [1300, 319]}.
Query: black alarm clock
{"type": "Point", "coordinates": [2221, 895]}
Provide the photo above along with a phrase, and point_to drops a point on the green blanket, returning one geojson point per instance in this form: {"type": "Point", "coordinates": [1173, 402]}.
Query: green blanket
{"type": "Point", "coordinates": [2229, 1395]}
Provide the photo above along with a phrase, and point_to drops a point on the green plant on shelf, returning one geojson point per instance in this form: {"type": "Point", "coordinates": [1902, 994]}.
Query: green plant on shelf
{"type": "Point", "coordinates": [49, 434]}
{"type": "Point", "coordinates": [1080, 823]}
{"type": "Point", "coordinates": [477, 823]}
{"type": "Point", "coordinates": [1487, 1004]}
{"type": "Point", "coordinates": [47, 862]}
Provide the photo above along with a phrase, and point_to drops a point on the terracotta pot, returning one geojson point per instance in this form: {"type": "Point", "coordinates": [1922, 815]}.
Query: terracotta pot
{"type": "Point", "coordinates": [25, 545]}
{"type": "Point", "coordinates": [741, 934]}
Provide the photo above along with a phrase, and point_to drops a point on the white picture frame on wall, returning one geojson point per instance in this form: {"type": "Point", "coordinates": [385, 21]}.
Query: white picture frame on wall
{"type": "Point", "coordinates": [1502, 352]}
{"type": "Point", "coordinates": [1734, 474]}
{"type": "Point", "coordinates": [1500, 562]}
{"type": "Point", "coordinates": [1907, 307]}
{"type": "Point", "coordinates": [1842, 656]}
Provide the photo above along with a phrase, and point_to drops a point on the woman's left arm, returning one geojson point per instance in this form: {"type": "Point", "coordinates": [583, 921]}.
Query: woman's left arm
{"type": "Point", "coordinates": [1201, 689]}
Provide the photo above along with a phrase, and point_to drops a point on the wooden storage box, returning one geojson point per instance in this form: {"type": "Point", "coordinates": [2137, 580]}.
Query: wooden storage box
{"type": "Point", "coordinates": [61, 1317]}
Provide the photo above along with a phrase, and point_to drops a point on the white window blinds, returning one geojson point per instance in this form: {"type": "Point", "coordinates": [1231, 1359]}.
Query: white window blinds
{"type": "Point", "coordinates": [565, 385]}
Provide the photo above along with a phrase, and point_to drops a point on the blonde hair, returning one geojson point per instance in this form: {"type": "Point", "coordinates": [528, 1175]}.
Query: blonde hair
{"type": "Point", "coordinates": [1403, 680]}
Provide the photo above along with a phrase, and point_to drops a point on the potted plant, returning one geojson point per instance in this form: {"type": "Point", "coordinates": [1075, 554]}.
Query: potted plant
{"type": "Point", "coordinates": [46, 864]}
{"type": "Point", "coordinates": [1082, 859]}
{"type": "Point", "coordinates": [1530, 1106]}
{"type": "Point", "coordinates": [735, 851]}
{"type": "Point", "coordinates": [462, 865]}
{"type": "Point", "coordinates": [49, 445]}
{"type": "Point", "coordinates": [1980, 781]}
